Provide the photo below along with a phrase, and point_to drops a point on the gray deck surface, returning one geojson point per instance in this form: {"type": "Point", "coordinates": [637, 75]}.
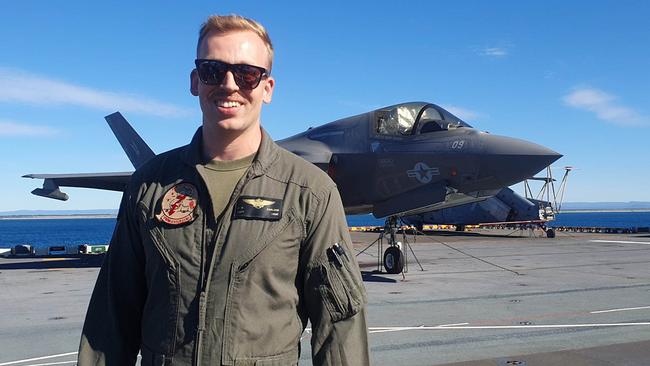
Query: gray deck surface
{"type": "Point", "coordinates": [484, 298]}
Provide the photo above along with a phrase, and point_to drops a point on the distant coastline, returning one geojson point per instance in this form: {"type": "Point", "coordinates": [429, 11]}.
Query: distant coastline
{"type": "Point", "coordinates": [587, 210]}
{"type": "Point", "coordinates": [58, 217]}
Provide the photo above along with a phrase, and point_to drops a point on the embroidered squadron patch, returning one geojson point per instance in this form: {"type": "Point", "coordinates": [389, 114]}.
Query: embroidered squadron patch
{"type": "Point", "coordinates": [263, 208]}
{"type": "Point", "coordinates": [178, 204]}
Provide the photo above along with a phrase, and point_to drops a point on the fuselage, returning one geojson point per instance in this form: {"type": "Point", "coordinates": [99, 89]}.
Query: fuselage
{"type": "Point", "coordinates": [412, 151]}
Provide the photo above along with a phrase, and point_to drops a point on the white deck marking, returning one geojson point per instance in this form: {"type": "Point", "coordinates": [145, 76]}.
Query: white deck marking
{"type": "Point", "coordinates": [463, 327]}
{"type": "Point", "coordinates": [386, 330]}
{"type": "Point", "coordinates": [621, 309]}
{"type": "Point", "coordinates": [453, 325]}
{"type": "Point", "coordinates": [37, 358]}
{"type": "Point", "coordinates": [620, 242]}
{"type": "Point", "coordinates": [372, 330]}
{"type": "Point", "coordinates": [53, 363]}
{"type": "Point", "coordinates": [459, 326]}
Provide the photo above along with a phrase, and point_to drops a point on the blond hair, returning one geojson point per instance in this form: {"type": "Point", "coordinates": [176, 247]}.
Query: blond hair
{"type": "Point", "coordinates": [230, 23]}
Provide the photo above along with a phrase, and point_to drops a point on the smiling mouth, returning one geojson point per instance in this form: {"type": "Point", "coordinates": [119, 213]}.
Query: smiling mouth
{"type": "Point", "coordinates": [226, 103]}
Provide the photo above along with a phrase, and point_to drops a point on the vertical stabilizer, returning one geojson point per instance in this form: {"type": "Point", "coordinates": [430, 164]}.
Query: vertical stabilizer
{"type": "Point", "coordinates": [134, 146]}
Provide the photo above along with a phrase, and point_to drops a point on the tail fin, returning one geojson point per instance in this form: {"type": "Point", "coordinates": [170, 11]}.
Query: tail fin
{"type": "Point", "coordinates": [134, 146]}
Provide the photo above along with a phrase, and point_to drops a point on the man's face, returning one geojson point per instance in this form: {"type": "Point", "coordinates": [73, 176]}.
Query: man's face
{"type": "Point", "coordinates": [226, 107]}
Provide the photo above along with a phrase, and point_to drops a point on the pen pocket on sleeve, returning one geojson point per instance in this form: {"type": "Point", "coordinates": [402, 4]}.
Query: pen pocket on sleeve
{"type": "Point", "coordinates": [341, 289]}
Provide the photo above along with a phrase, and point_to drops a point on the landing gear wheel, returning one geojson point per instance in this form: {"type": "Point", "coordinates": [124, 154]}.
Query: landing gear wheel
{"type": "Point", "coordinates": [460, 227]}
{"type": "Point", "coordinates": [550, 233]}
{"type": "Point", "coordinates": [393, 260]}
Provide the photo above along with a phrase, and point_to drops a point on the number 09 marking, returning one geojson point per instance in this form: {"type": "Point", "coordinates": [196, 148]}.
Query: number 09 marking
{"type": "Point", "coordinates": [458, 144]}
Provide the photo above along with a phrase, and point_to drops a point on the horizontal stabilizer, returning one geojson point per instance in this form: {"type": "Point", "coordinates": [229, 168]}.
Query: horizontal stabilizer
{"type": "Point", "coordinates": [55, 194]}
{"type": "Point", "coordinates": [50, 190]}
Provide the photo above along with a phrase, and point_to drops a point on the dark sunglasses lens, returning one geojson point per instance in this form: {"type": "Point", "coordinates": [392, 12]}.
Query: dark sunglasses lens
{"type": "Point", "coordinates": [211, 73]}
{"type": "Point", "coordinates": [247, 77]}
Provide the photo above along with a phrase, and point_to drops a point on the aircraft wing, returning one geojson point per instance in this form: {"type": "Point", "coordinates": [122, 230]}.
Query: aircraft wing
{"type": "Point", "coordinates": [135, 148]}
{"type": "Point", "coordinates": [116, 181]}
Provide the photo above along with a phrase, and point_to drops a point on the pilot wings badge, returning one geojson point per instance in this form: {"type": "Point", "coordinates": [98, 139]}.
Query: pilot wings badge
{"type": "Point", "coordinates": [258, 208]}
{"type": "Point", "coordinates": [258, 202]}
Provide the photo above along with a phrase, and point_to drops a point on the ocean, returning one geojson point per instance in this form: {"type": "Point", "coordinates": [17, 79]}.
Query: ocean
{"type": "Point", "coordinates": [71, 232]}
{"type": "Point", "coordinates": [573, 219]}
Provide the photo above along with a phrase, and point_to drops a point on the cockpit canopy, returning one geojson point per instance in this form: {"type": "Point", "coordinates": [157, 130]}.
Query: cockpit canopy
{"type": "Point", "coordinates": [415, 118]}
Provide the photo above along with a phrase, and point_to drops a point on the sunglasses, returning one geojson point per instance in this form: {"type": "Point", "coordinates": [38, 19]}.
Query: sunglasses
{"type": "Point", "coordinates": [212, 72]}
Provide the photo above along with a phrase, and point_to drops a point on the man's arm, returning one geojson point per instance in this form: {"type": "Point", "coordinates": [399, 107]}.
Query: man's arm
{"type": "Point", "coordinates": [333, 289]}
{"type": "Point", "coordinates": [111, 331]}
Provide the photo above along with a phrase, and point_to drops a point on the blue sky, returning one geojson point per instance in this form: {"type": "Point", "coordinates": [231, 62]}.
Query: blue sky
{"type": "Point", "coordinates": [570, 76]}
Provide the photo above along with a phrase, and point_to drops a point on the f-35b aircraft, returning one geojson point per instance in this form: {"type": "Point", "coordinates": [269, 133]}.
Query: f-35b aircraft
{"type": "Point", "coordinates": [400, 160]}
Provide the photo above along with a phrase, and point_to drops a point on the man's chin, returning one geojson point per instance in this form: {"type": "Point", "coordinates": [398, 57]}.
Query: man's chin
{"type": "Point", "coordinates": [229, 125]}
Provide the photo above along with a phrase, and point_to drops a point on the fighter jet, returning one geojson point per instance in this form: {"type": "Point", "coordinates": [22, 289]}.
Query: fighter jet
{"type": "Point", "coordinates": [399, 160]}
{"type": "Point", "coordinates": [415, 157]}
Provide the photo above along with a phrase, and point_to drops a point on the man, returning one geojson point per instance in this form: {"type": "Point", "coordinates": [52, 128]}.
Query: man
{"type": "Point", "coordinates": [226, 247]}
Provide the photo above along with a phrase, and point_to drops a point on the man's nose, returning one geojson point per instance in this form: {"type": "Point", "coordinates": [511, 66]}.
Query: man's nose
{"type": "Point", "coordinates": [228, 82]}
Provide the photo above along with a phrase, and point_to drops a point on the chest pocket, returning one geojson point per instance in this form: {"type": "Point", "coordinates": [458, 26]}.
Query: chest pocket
{"type": "Point", "coordinates": [252, 236]}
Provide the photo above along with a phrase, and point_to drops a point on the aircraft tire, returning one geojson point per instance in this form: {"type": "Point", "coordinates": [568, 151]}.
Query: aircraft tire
{"type": "Point", "coordinates": [550, 233]}
{"type": "Point", "coordinates": [393, 260]}
{"type": "Point", "coordinates": [460, 227]}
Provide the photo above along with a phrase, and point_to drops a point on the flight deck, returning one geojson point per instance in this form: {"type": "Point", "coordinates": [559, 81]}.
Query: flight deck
{"type": "Point", "coordinates": [485, 297]}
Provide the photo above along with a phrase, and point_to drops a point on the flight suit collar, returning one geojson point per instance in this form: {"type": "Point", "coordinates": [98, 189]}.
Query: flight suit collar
{"type": "Point", "coordinates": [266, 156]}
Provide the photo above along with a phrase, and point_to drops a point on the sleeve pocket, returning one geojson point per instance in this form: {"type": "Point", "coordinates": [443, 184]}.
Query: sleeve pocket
{"type": "Point", "coordinates": [341, 289]}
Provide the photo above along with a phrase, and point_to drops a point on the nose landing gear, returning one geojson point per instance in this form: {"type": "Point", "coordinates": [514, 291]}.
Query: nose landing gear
{"type": "Point", "coordinates": [395, 257]}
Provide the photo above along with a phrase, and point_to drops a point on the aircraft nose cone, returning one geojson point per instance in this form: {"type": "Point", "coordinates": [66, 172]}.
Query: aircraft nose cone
{"type": "Point", "coordinates": [509, 160]}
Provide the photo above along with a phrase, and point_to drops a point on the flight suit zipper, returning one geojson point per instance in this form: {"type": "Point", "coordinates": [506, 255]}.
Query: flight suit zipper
{"type": "Point", "coordinates": [216, 244]}
{"type": "Point", "coordinates": [198, 345]}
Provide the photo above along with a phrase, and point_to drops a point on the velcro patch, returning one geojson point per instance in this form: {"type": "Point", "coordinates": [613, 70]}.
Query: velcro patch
{"type": "Point", "coordinates": [262, 208]}
{"type": "Point", "coordinates": [178, 204]}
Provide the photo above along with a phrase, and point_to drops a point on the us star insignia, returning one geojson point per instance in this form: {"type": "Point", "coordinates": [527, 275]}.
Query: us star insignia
{"type": "Point", "coordinates": [258, 202]}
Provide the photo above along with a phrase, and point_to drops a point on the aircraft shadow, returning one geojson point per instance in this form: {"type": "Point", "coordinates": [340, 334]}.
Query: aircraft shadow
{"type": "Point", "coordinates": [470, 234]}
{"type": "Point", "coordinates": [89, 261]}
{"type": "Point", "coordinates": [372, 276]}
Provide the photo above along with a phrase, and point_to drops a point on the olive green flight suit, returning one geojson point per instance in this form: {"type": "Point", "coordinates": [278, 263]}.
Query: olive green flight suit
{"type": "Point", "coordinates": [193, 291]}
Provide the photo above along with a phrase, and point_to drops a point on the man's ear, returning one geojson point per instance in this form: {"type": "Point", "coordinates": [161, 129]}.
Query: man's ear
{"type": "Point", "coordinates": [268, 90]}
{"type": "Point", "coordinates": [194, 83]}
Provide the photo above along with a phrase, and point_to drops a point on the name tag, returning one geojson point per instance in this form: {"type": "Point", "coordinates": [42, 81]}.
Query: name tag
{"type": "Point", "coordinates": [258, 208]}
